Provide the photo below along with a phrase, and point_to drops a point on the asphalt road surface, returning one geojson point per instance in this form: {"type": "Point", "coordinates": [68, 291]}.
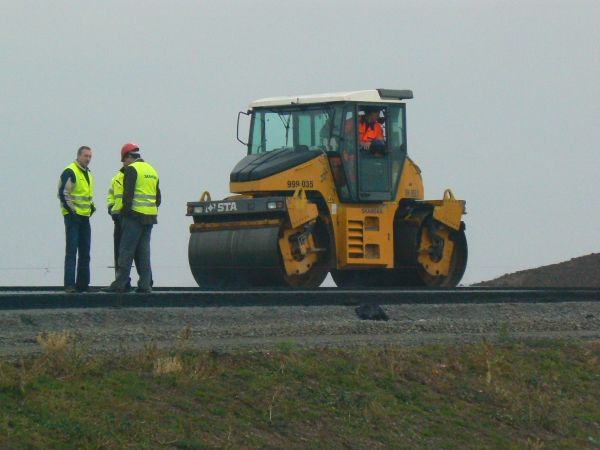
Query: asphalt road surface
{"type": "Point", "coordinates": [263, 320]}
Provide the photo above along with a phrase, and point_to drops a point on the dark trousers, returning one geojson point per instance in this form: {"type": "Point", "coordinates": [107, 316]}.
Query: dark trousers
{"type": "Point", "coordinates": [134, 245]}
{"type": "Point", "coordinates": [77, 251]}
{"type": "Point", "coordinates": [116, 243]}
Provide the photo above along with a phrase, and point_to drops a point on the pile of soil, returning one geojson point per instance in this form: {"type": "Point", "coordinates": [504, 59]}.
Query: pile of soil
{"type": "Point", "coordinates": [582, 272]}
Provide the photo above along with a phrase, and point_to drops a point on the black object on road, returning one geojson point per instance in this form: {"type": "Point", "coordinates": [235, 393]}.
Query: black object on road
{"type": "Point", "coordinates": [371, 312]}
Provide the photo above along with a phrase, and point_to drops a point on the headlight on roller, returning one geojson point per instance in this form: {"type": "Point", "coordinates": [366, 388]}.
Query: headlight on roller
{"type": "Point", "coordinates": [274, 205]}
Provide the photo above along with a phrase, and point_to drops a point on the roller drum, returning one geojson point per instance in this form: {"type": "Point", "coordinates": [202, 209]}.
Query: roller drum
{"type": "Point", "coordinates": [234, 257]}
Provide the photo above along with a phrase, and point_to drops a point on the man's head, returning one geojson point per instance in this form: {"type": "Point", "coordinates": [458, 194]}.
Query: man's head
{"type": "Point", "coordinates": [371, 114]}
{"type": "Point", "coordinates": [129, 153]}
{"type": "Point", "coordinates": [84, 156]}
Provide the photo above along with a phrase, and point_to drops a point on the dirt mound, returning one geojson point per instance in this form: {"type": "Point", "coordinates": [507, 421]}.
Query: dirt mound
{"type": "Point", "coordinates": [582, 272]}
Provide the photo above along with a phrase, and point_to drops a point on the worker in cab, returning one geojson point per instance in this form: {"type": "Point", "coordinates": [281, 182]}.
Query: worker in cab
{"type": "Point", "coordinates": [138, 214]}
{"type": "Point", "coordinates": [75, 192]}
{"type": "Point", "coordinates": [370, 132]}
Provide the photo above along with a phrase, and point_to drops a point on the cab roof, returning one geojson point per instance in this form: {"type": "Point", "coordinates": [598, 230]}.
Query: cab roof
{"type": "Point", "coordinates": [371, 95]}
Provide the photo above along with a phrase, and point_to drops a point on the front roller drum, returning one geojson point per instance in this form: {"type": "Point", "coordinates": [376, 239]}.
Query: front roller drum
{"type": "Point", "coordinates": [234, 258]}
{"type": "Point", "coordinates": [243, 257]}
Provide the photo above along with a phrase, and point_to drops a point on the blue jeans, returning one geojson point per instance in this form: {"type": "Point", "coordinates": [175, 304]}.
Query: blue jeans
{"type": "Point", "coordinates": [135, 244]}
{"type": "Point", "coordinates": [77, 252]}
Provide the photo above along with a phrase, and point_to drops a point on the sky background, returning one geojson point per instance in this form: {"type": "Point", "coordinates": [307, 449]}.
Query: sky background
{"type": "Point", "coordinates": [506, 112]}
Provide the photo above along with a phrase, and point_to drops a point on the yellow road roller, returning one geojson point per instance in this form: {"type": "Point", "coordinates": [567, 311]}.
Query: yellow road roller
{"type": "Point", "coordinates": [327, 186]}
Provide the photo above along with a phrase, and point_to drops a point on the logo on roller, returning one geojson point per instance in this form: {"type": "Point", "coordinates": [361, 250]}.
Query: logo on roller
{"type": "Point", "coordinates": [221, 207]}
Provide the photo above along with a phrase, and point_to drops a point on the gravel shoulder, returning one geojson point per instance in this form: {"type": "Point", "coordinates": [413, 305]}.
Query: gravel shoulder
{"type": "Point", "coordinates": [262, 328]}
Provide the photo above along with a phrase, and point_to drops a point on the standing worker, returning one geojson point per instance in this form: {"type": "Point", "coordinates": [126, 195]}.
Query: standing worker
{"type": "Point", "coordinates": [75, 192]}
{"type": "Point", "coordinates": [114, 201]}
{"type": "Point", "coordinates": [141, 198]}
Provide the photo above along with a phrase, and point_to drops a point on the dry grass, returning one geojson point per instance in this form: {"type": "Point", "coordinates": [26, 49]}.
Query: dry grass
{"type": "Point", "coordinates": [166, 365]}
{"type": "Point", "coordinates": [54, 341]}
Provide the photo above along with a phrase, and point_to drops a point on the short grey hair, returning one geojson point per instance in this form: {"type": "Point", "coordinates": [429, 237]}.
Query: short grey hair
{"type": "Point", "coordinates": [82, 148]}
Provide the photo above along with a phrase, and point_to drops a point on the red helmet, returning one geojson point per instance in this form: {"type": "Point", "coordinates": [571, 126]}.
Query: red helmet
{"type": "Point", "coordinates": [128, 148]}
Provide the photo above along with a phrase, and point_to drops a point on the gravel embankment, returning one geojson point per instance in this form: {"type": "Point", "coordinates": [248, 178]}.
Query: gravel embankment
{"type": "Point", "coordinates": [241, 328]}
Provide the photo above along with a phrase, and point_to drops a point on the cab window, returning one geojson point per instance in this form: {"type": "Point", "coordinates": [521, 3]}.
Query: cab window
{"type": "Point", "coordinates": [278, 128]}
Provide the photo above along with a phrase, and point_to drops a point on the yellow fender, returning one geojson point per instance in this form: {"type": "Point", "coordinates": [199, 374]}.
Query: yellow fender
{"type": "Point", "coordinates": [449, 211]}
{"type": "Point", "coordinates": [300, 210]}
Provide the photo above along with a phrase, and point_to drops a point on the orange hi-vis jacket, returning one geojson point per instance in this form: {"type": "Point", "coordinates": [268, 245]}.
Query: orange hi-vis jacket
{"type": "Point", "coordinates": [368, 133]}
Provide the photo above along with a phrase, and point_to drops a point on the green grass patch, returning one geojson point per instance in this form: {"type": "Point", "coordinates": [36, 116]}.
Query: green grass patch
{"type": "Point", "coordinates": [543, 394]}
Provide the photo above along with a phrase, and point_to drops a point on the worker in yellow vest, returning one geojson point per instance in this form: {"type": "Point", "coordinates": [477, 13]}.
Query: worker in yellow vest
{"type": "Point", "coordinates": [75, 192]}
{"type": "Point", "coordinates": [139, 210]}
{"type": "Point", "coordinates": [114, 201]}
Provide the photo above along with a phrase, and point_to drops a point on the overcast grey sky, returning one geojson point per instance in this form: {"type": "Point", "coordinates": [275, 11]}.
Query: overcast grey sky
{"type": "Point", "coordinates": [506, 111]}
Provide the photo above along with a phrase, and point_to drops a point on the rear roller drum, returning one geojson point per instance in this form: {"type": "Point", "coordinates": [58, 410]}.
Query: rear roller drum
{"type": "Point", "coordinates": [421, 248]}
{"type": "Point", "coordinates": [410, 270]}
{"type": "Point", "coordinates": [458, 264]}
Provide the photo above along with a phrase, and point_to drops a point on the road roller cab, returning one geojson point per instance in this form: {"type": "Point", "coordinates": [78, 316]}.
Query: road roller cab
{"type": "Point", "coordinates": [327, 187]}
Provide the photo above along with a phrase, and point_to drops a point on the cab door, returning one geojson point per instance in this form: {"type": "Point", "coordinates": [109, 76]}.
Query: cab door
{"type": "Point", "coordinates": [379, 172]}
{"type": "Point", "coordinates": [374, 167]}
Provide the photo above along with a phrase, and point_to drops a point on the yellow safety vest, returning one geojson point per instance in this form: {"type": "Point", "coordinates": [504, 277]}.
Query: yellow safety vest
{"type": "Point", "coordinates": [114, 198]}
{"type": "Point", "coordinates": [82, 192]}
{"type": "Point", "coordinates": [144, 196]}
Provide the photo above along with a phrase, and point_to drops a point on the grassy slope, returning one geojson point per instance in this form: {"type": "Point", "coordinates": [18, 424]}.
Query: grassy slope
{"type": "Point", "coordinates": [515, 395]}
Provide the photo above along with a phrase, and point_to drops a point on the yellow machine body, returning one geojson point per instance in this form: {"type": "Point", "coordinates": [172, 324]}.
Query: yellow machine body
{"type": "Point", "coordinates": [294, 225]}
{"type": "Point", "coordinates": [364, 232]}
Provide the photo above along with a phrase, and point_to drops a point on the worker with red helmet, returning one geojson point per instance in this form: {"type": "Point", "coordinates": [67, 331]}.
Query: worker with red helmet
{"type": "Point", "coordinates": [137, 215]}
{"type": "Point", "coordinates": [114, 201]}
